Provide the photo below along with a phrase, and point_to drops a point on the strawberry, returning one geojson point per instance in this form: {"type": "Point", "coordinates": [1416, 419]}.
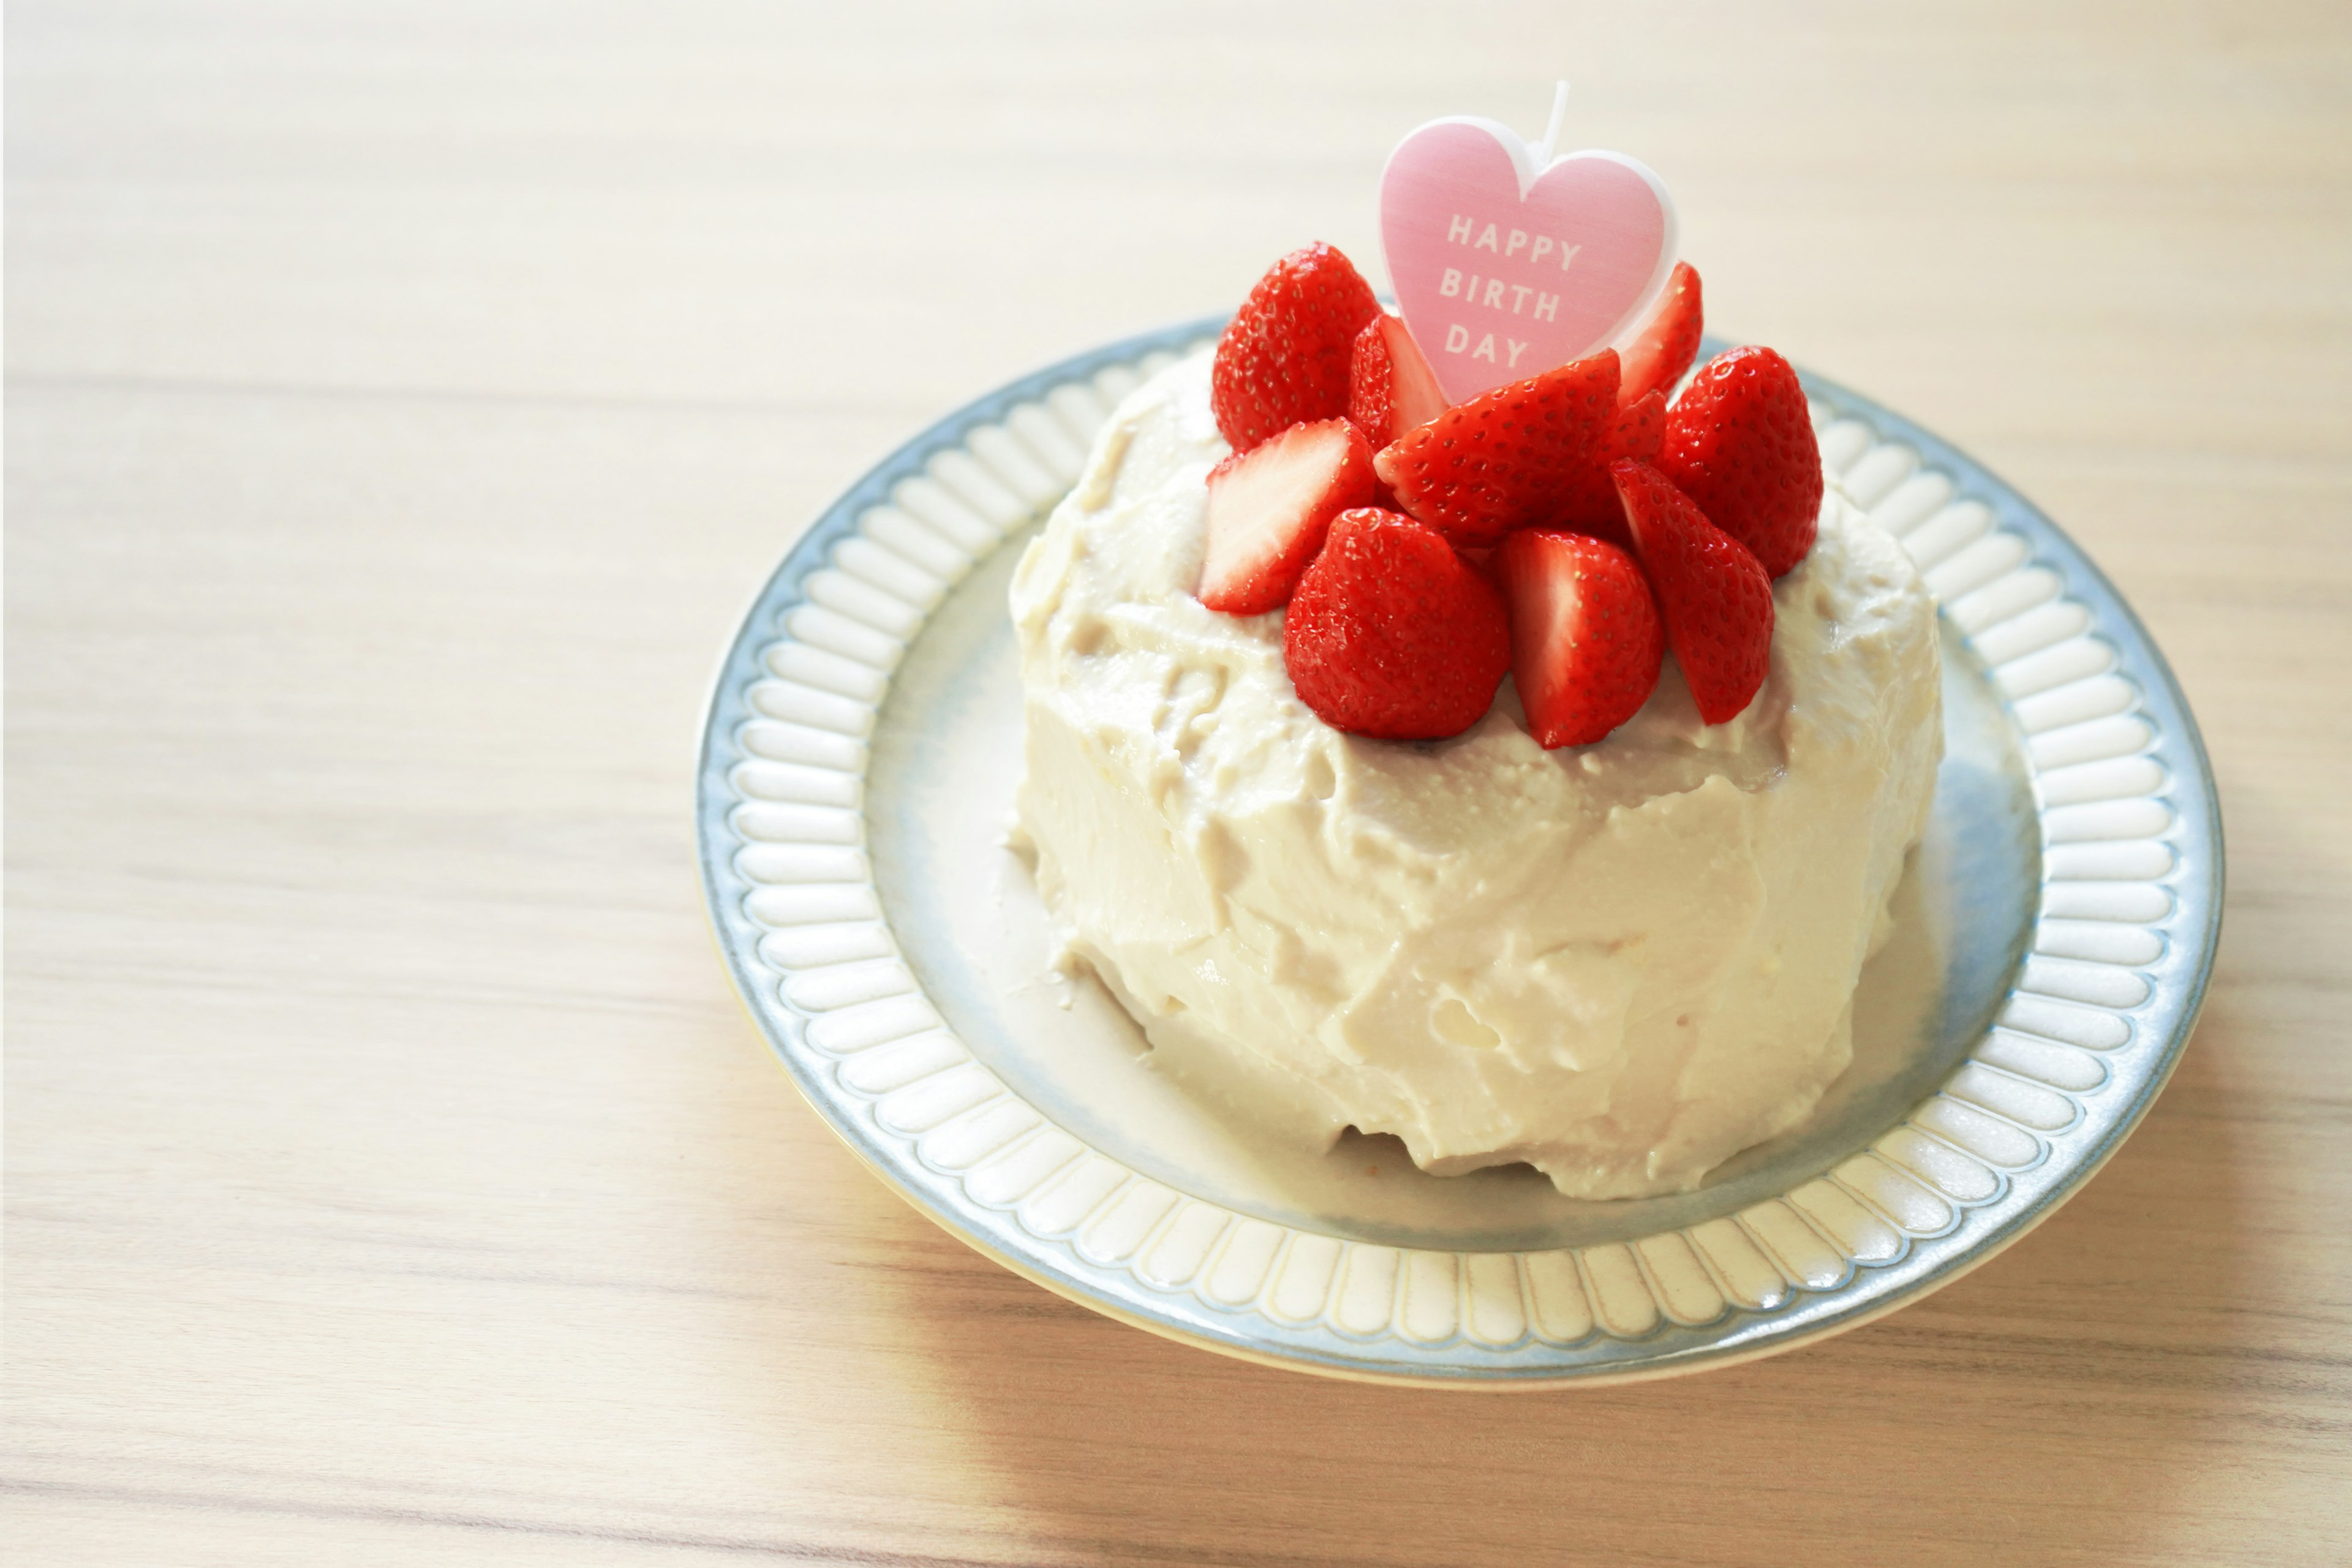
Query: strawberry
{"type": "Point", "coordinates": [1586, 645]}
{"type": "Point", "coordinates": [1391, 635]}
{"type": "Point", "coordinates": [1500, 460]}
{"type": "Point", "coordinates": [1269, 507]}
{"type": "Point", "coordinates": [1714, 594]}
{"type": "Point", "coordinates": [1391, 388]}
{"type": "Point", "coordinates": [1587, 500]}
{"type": "Point", "coordinates": [1740, 443]}
{"type": "Point", "coordinates": [1668, 341]}
{"type": "Point", "coordinates": [1285, 357]}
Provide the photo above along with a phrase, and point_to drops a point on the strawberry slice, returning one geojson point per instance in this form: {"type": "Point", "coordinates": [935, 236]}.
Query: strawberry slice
{"type": "Point", "coordinates": [1668, 341]}
{"type": "Point", "coordinates": [1586, 644]}
{"type": "Point", "coordinates": [1712, 594]}
{"type": "Point", "coordinates": [1391, 635]}
{"type": "Point", "coordinates": [1285, 357]}
{"type": "Point", "coordinates": [1740, 443]}
{"type": "Point", "coordinates": [1587, 500]}
{"type": "Point", "coordinates": [1269, 507]}
{"type": "Point", "coordinates": [1391, 388]}
{"type": "Point", "coordinates": [1501, 460]}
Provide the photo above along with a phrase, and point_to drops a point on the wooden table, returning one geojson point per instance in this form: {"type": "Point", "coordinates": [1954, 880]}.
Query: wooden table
{"type": "Point", "coordinates": [402, 403]}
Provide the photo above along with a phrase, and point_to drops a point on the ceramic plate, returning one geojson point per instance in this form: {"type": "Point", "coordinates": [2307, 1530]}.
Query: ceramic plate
{"type": "Point", "coordinates": [2055, 933]}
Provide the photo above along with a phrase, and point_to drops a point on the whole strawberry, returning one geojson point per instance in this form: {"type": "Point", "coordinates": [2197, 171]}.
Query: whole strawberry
{"type": "Point", "coordinates": [1285, 357]}
{"type": "Point", "coordinates": [1712, 592]}
{"type": "Point", "coordinates": [1501, 460]}
{"type": "Point", "coordinates": [1740, 443]}
{"type": "Point", "coordinates": [1392, 635]}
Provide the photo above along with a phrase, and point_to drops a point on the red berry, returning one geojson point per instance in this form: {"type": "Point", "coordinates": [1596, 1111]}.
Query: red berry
{"type": "Point", "coordinates": [1586, 645]}
{"type": "Point", "coordinates": [1668, 341]}
{"type": "Point", "coordinates": [1391, 635]}
{"type": "Point", "coordinates": [1391, 388]}
{"type": "Point", "coordinates": [1739, 442]}
{"type": "Point", "coordinates": [1501, 460]}
{"type": "Point", "coordinates": [1285, 357]}
{"type": "Point", "coordinates": [1712, 594]}
{"type": "Point", "coordinates": [1587, 498]}
{"type": "Point", "coordinates": [1268, 508]}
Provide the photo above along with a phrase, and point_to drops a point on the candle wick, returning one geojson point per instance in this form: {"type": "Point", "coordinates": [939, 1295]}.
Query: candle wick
{"type": "Point", "coordinates": [1551, 132]}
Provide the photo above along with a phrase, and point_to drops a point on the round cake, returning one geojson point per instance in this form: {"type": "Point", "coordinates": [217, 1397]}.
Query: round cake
{"type": "Point", "coordinates": [1621, 962]}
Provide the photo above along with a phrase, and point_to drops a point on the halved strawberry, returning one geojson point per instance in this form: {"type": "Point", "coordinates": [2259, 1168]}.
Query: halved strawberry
{"type": "Point", "coordinates": [1285, 357]}
{"type": "Point", "coordinates": [1586, 645]}
{"type": "Point", "coordinates": [1712, 594]}
{"type": "Point", "coordinates": [1269, 507]}
{"type": "Point", "coordinates": [1500, 460]}
{"type": "Point", "coordinates": [1740, 443]}
{"type": "Point", "coordinates": [1587, 498]}
{"type": "Point", "coordinates": [1391, 635]}
{"type": "Point", "coordinates": [1668, 341]}
{"type": "Point", "coordinates": [1391, 388]}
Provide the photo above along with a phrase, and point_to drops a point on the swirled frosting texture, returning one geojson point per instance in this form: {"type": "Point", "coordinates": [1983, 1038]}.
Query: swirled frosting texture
{"type": "Point", "coordinates": [1622, 964]}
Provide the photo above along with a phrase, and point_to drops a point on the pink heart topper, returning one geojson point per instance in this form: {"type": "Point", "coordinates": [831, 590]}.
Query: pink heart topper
{"type": "Point", "coordinates": [1504, 269]}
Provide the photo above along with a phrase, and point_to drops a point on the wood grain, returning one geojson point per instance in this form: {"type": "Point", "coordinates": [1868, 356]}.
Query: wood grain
{"type": "Point", "coordinates": [404, 401]}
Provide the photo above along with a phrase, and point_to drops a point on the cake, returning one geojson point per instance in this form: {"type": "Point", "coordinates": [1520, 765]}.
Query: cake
{"type": "Point", "coordinates": [1620, 961]}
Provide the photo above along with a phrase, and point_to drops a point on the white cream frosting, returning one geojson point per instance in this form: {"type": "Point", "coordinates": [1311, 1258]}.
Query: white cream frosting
{"type": "Point", "coordinates": [1621, 962]}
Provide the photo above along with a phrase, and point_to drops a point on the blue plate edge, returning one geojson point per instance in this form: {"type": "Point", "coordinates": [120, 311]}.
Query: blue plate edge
{"type": "Point", "coordinates": [1922, 1267]}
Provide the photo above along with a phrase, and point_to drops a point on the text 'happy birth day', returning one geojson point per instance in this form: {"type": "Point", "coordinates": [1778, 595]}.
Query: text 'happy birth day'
{"type": "Point", "coordinates": [1493, 294]}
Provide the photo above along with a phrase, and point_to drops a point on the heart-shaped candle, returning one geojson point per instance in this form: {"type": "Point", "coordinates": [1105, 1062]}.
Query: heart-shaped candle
{"type": "Point", "coordinates": [1507, 261]}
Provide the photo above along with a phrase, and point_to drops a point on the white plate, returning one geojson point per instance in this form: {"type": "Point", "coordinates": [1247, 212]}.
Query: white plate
{"type": "Point", "coordinates": [2057, 934]}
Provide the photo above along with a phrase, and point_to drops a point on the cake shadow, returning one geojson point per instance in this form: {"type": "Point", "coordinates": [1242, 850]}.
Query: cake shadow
{"type": "Point", "coordinates": [2064, 1396]}
{"type": "Point", "coordinates": [2063, 1383]}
